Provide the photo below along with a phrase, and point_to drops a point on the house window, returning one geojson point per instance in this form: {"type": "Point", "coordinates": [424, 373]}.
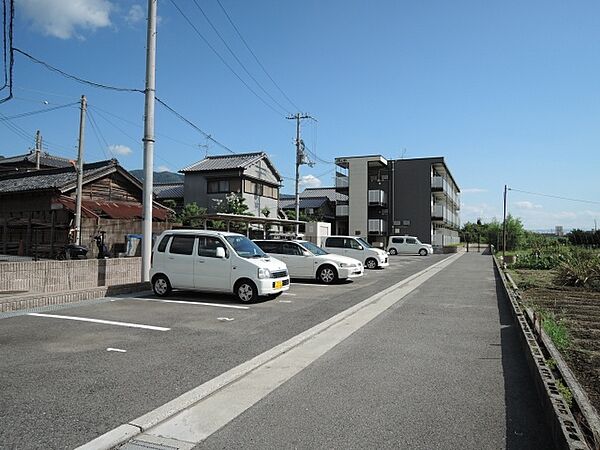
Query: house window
{"type": "Point", "coordinates": [218, 186]}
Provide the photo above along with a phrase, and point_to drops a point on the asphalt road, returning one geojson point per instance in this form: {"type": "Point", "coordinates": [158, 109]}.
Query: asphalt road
{"type": "Point", "coordinates": [61, 387]}
{"type": "Point", "coordinates": [441, 370]}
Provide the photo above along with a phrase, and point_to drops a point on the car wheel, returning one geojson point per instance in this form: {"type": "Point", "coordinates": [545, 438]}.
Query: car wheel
{"type": "Point", "coordinates": [327, 274]}
{"type": "Point", "coordinates": [393, 251]}
{"type": "Point", "coordinates": [245, 291]}
{"type": "Point", "coordinates": [371, 263]}
{"type": "Point", "coordinates": [423, 252]}
{"type": "Point", "coordinates": [161, 285]}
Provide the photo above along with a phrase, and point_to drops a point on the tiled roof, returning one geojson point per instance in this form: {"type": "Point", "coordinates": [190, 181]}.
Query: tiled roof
{"type": "Point", "coordinates": [168, 190]}
{"type": "Point", "coordinates": [224, 162]}
{"type": "Point", "coordinates": [229, 162]}
{"type": "Point", "coordinates": [328, 192]}
{"type": "Point", "coordinates": [53, 179]}
{"type": "Point", "coordinates": [46, 159]}
{"type": "Point", "coordinates": [304, 203]}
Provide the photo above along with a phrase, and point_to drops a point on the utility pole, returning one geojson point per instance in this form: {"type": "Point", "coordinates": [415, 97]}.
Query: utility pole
{"type": "Point", "coordinates": [80, 171]}
{"type": "Point", "coordinates": [149, 139]}
{"type": "Point", "coordinates": [38, 148]}
{"type": "Point", "coordinates": [504, 230]}
{"type": "Point", "coordinates": [300, 159]}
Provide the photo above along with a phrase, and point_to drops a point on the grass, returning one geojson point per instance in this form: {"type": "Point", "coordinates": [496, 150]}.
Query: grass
{"type": "Point", "coordinates": [530, 278]}
{"type": "Point", "coordinates": [556, 330]}
{"type": "Point", "coordinates": [566, 393]}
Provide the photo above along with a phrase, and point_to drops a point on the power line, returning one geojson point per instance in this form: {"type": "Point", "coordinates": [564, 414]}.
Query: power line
{"type": "Point", "coordinates": [98, 134]}
{"type": "Point", "coordinates": [555, 196]}
{"type": "Point", "coordinates": [194, 126]}
{"type": "Point", "coordinates": [256, 58]}
{"type": "Point", "coordinates": [238, 60]}
{"type": "Point", "coordinates": [39, 111]}
{"type": "Point", "coordinates": [223, 59]}
{"type": "Point", "coordinates": [75, 78]}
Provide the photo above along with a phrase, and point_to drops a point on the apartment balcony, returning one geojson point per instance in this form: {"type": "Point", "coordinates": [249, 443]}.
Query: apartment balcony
{"type": "Point", "coordinates": [341, 210]}
{"type": "Point", "coordinates": [377, 197]}
{"type": "Point", "coordinates": [341, 181]}
{"type": "Point", "coordinates": [377, 226]}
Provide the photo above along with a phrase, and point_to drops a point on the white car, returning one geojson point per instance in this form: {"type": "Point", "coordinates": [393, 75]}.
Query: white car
{"type": "Point", "coordinates": [409, 245]}
{"type": "Point", "coordinates": [217, 262]}
{"type": "Point", "coordinates": [357, 248]}
{"type": "Point", "coordinates": [306, 260]}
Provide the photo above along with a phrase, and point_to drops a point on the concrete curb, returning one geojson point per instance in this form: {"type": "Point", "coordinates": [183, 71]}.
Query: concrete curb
{"type": "Point", "coordinates": [566, 432]}
{"type": "Point", "coordinates": [42, 299]}
{"type": "Point", "coordinates": [199, 393]}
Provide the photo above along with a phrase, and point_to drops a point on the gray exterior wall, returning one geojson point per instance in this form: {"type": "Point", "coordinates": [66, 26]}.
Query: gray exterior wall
{"type": "Point", "coordinates": [195, 187]}
{"type": "Point", "coordinates": [411, 198]}
{"type": "Point", "coordinates": [357, 192]}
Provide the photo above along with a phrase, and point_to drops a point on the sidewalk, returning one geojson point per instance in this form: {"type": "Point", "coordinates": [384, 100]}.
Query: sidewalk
{"type": "Point", "coordinates": [442, 369]}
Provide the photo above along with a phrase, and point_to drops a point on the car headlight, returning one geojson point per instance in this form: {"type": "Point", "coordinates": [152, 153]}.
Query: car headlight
{"type": "Point", "coordinates": [346, 265]}
{"type": "Point", "coordinates": [264, 273]}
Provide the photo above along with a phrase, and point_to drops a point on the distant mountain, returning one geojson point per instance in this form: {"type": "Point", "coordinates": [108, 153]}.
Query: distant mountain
{"type": "Point", "coordinates": [159, 177]}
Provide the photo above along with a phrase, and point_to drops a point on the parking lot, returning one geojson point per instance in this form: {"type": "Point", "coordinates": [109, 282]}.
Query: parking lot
{"type": "Point", "coordinates": [71, 373]}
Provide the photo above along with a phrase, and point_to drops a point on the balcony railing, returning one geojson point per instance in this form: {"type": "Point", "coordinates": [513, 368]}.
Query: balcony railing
{"type": "Point", "coordinates": [341, 210]}
{"type": "Point", "coordinates": [341, 181]}
{"type": "Point", "coordinates": [377, 226]}
{"type": "Point", "coordinates": [377, 197]}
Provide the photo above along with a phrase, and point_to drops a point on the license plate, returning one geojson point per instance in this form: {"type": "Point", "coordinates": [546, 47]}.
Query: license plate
{"type": "Point", "coordinates": [278, 284]}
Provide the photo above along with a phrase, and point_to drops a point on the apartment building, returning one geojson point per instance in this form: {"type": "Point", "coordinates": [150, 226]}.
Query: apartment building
{"type": "Point", "coordinates": [417, 197]}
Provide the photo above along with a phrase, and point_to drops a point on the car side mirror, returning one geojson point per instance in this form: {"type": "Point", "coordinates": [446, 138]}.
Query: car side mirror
{"type": "Point", "coordinates": [360, 247]}
{"type": "Point", "coordinates": [306, 253]}
{"type": "Point", "coordinates": [220, 252]}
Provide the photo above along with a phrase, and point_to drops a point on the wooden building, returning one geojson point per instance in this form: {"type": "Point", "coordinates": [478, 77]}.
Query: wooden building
{"type": "Point", "coordinates": [37, 209]}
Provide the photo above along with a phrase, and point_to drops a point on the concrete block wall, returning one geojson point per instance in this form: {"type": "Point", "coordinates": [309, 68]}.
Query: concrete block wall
{"type": "Point", "coordinates": [56, 276]}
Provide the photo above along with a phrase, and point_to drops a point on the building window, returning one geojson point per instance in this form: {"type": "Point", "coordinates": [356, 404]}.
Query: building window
{"type": "Point", "coordinates": [256, 188]}
{"type": "Point", "coordinates": [218, 186]}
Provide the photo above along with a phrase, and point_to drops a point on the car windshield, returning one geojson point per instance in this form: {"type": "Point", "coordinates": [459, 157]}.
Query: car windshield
{"type": "Point", "coordinates": [313, 248]}
{"type": "Point", "coordinates": [245, 247]}
{"type": "Point", "coordinates": [364, 243]}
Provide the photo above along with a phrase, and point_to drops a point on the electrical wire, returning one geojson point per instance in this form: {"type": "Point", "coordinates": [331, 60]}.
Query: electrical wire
{"type": "Point", "coordinates": [75, 78]}
{"type": "Point", "coordinates": [238, 60]}
{"type": "Point", "coordinates": [96, 130]}
{"type": "Point", "coordinates": [555, 196]}
{"type": "Point", "coordinates": [223, 59]}
{"type": "Point", "coordinates": [194, 126]}
{"type": "Point", "coordinates": [4, 45]}
{"type": "Point", "coordinates": [39, 111]}
{"type": "Point", "coordinates": [255, 57]}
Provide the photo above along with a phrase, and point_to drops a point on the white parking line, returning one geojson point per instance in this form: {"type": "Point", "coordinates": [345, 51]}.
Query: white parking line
{"type": "Point", "coordinates": [118, 350]}
{"type": "Point", "coordinates": [106, 322]}
{"type": "Point", "coordinates": [190, 303]}
{"type": "Point", "coordinates": [287, 293]}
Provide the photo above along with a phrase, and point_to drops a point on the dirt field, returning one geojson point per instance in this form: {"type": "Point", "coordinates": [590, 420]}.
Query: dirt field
{"type": "Point", "coordinates": [581, 312]}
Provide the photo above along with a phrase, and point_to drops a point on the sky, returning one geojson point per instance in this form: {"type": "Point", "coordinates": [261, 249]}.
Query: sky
{"type": "Point", "coordinates": [507, 92]}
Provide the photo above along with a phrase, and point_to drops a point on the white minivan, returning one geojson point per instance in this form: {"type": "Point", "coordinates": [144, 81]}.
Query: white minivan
{"type": "Point", "coordinates": [409, 245]}
{"type": "Point", "coordinates": [306, 260]}
{"type": "Point", "coordinates": [357, 248]}
{"type": "Point", "coordinates": [217, 262]}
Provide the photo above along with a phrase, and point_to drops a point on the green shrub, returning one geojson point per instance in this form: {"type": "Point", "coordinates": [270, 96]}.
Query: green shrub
{"type": "Point", "coordinates": [580, 268]}
{"type": "Point", "coordinates": [538, 262]}
{"type": "Point", "coordinates": [556, 330]}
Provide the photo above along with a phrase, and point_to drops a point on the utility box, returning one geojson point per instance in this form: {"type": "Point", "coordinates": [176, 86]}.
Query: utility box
{"type": "Point", "coordinates": [316, 232]}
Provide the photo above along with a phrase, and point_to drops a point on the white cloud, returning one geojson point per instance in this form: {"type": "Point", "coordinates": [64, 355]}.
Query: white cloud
{"type": "Point", "coordinates": [119, 149]}
{"type": "Point", "coordinates": [163, 169]}
{"type": "Point", "coordinates": [473, 191]}
{"type": "Point", "coordinates": [61, 18]}
{"type": "Point", "coordinates": [309, 181]}
{"type": "Point", "coordinates": [527, 205]}
{"type": "Point", "coordinates": [135, 15]}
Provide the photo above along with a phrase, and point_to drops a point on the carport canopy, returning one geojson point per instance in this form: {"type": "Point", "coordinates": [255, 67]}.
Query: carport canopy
{"type": "Point", "coordinates": [248, 220]}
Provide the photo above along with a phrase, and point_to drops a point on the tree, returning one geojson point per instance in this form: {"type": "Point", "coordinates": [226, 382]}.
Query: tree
{"type": "Point", "coordinates": [232, 204]}
{"type": "Point", "coordinates": [191, 215]}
